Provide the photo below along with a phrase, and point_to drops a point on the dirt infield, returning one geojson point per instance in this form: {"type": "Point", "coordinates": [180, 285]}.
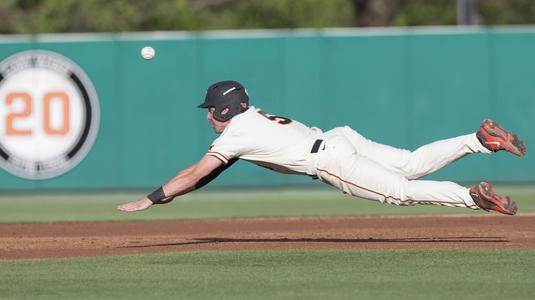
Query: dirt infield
{"type": "Point", "coordinates": [24, 241]}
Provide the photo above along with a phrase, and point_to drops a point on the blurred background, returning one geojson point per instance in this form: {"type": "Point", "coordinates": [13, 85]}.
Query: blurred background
{"type": "Point", "coordinates": [57, 16]}
{"type": "Point", "coordinates": [400, 72]}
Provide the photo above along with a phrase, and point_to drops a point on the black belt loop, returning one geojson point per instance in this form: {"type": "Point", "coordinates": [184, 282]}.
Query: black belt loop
{"type": "Point", "coordinates": [316, 146]}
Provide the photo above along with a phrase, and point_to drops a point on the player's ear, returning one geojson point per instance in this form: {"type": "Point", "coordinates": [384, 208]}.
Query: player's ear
{"type": "Point", "coordinates": [244, 104]}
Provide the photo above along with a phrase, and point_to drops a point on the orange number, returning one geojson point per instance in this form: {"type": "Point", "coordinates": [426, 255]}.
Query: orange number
{"type": "Point", "coordinates": [65, 125]}
{"type": "Point", "coordinates": [26, 111]}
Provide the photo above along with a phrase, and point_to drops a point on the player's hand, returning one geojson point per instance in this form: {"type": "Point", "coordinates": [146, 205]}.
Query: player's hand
{"type": "Point", "coordinates": [135, 205]}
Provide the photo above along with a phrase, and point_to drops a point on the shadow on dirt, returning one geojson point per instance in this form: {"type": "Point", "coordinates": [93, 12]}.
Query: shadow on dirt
{"type": "Point", "coordinates": [217, 240]}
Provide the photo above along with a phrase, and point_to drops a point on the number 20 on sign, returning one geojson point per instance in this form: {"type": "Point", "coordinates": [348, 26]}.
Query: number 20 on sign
{"type": "Point", "coordinates": [55, 109]}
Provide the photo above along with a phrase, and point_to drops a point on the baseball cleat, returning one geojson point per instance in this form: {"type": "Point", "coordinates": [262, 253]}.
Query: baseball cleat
{"type": "Point", "coordinates": [495, 138]}
{"type": "Point", "coordinates": [485, 198]}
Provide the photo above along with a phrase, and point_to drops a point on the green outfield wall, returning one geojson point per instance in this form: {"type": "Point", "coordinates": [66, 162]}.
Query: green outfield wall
{"type": "Point", "coordinates": [400, 87]}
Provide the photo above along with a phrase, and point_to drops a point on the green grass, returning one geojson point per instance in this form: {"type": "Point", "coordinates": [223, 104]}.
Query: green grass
{"type": "Point", "coordinates": [322, 274]}
{"type": "Point", "coordinates": [20, 208]}
{"type": "Point", "coordinates": [319, 274]}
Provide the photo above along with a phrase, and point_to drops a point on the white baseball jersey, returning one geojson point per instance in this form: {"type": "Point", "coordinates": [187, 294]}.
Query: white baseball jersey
{"type": "Point", "coordinates": [277, 143]}
{"type": "Point", "coordinates": [347, 160]}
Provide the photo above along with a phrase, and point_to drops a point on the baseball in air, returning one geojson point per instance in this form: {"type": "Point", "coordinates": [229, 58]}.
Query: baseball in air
{"type": "Point", "coordinates": [148, 53]}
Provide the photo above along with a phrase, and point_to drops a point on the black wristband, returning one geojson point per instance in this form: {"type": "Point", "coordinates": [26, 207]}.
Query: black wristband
{"type": "Point", "coordinates": [157, 196]}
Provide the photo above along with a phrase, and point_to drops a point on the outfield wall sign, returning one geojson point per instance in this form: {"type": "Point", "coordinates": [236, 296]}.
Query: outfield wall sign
{"type": "Point", "coordinates": [49, 114]}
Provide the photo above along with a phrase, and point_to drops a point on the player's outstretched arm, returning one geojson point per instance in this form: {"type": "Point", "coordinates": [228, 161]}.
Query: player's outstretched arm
{"type": "Point", "coordinates": [184, 182]}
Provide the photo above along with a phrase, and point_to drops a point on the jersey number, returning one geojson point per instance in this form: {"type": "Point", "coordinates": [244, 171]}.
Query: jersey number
{"type": "Point", "coordinates": [278, 119]}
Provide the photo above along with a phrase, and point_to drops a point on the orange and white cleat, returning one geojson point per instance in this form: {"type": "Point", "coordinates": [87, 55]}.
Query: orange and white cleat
{"type": "Point", "coordinates": [485, 198]}
{"type": "Point", "coordinates": [495, 138]}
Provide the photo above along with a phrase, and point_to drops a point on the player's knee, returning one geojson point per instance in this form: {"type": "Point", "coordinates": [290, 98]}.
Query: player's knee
{"type": "Point", "coordinates": [414, 167]}
{"type": "Point", "coordinates": [399, 195]}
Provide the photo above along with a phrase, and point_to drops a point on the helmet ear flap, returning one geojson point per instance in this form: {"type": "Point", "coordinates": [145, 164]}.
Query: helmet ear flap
{"type": "Point", "coordinates": [224, 111]}
{"type": "Point", "coordinates": [222, 114]}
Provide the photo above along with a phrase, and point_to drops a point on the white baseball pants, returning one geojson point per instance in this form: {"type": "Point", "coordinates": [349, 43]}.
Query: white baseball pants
{"type": "Point", "coordinates": [370, 170]}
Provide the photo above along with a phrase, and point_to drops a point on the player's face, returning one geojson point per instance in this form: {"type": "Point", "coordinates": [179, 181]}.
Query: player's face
{"type": "Point", "coordinates": [218, 126]}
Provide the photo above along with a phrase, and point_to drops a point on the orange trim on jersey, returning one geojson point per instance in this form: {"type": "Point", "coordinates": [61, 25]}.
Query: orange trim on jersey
{"type": "Point", "coordinates": [432, 202]}
{"type": "Point", "coordinates": [215, 152]}
{"type": "Point", "coordinates": [218, 155]}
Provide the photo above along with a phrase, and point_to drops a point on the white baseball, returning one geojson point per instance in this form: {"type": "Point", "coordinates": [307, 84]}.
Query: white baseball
{"type": "Point", "coordinates": [148, 52]}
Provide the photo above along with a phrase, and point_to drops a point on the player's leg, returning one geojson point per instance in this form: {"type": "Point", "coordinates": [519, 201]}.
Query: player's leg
{"type": "Point", "coordinates": [420, 162]}
{"type": "Point", "coordinates": [490, 137]}
{"type": "Point", "coordinates": [362, 177]}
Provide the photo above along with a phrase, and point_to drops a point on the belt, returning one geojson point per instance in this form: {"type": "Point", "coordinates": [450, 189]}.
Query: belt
{"type": "Point", "coordinates": [316, 146]}
{"type": "Point", "coordinates": [315, 149]}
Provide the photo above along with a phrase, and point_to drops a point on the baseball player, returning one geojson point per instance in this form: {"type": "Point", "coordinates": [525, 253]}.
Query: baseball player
{"type": "Point", "coordinates": [340, 157]}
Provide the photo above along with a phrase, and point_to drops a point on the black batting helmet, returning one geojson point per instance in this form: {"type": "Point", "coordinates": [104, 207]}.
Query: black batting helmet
{"type": "Point", "coordinates": [226, 94]}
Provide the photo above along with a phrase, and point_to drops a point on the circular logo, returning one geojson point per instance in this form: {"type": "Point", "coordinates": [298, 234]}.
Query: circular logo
{"type": "Point", "coordinates": [49, 114]}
